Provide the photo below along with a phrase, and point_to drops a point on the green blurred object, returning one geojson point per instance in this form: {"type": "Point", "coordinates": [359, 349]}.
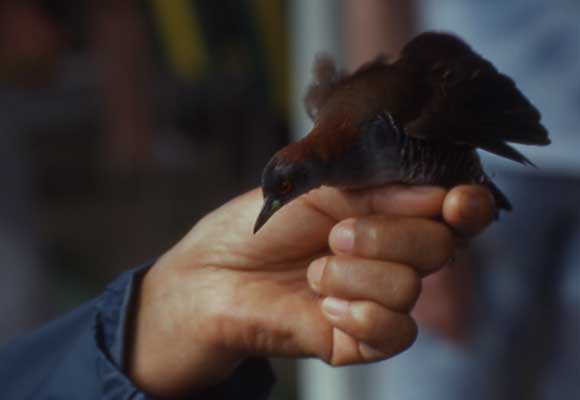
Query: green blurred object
{"type": "Point", "coordinates": [201, 42]}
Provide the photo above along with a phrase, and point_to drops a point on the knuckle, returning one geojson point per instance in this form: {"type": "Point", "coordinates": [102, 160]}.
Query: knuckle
{"type": "Point", "coordinates": [407, 289]}
{"type": "Point", "coordinates": [445, 245]}
{"type": "Point", "coordinates": [371, 237]}
{"type": "Point", "coordinates": [409, 241]}
{"type": "Point", "coordinates": [369, 320]}
{"type": "Point", "coordinates": [440, 246]}
{"type": "Point", "coordinates": [402, 335]}
{"type": "Point", "coordinates": [407, 337]}
{"type": "Point", "coordinates": [330, 274]}
{"type": "Point", "coordinates": [406, 238]}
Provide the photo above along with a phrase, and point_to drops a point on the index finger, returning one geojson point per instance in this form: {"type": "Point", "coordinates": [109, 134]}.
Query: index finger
{"type": "Point", "coordinates": [398, 199]}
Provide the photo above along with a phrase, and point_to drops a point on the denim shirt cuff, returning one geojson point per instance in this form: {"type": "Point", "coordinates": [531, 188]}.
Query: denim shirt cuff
{"type": "Point", "coordinates": [253, 379]}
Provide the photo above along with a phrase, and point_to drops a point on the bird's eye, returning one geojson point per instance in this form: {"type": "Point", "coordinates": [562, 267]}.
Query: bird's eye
{"type": "Point", "coordinates": [285, 187]}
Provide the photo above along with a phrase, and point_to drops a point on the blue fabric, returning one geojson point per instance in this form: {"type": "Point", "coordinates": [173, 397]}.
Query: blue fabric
{"type": "Point", "coordinates": [80, 356]}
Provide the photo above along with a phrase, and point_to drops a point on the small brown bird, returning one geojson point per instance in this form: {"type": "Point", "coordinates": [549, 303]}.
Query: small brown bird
{"type": "Point", "coordinates": [418, 120]}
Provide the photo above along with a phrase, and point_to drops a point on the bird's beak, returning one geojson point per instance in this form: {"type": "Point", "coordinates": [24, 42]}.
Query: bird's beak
{"type": "Point", "coordinates": [268, 209]}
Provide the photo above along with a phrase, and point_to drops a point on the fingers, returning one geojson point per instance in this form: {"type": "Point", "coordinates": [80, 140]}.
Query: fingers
{"type": "Point", "coordinates": [387, 241]}
{"type": "Point", "coordinates": [468, 209]}
{"type": "Point", "coordinates": [392, 285]}
{"type": "Point", "coordinates": [368, 304]}
{"type": "Point", "coordinates": [375, 332]}
{"type": "Point", "coordinates": [418, 201]}
{"type": "Point", "coordinates": [422, 243]}
{"type": "Point", "coordinates": [372, 282]}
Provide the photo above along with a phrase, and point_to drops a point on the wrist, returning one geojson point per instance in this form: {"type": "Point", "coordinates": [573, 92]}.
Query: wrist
{"type": "Point", "coordinates": [173, 346]}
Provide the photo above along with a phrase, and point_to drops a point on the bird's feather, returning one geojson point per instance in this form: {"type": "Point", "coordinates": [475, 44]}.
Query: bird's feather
{"type": "Point", "coordinates": [471, 103]}
{"type": "Point", "coordinates": [326, 77]}
{"type": "Point", "coordinates": [417, 120]}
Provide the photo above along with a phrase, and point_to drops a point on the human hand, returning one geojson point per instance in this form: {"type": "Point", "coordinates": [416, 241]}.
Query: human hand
{"type": "Point", "coordinates": [299, 288]}
{"type": "Point", "coordinates": [446, 301]}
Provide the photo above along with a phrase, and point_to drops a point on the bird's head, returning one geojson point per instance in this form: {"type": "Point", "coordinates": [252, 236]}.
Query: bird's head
{"type": "Point", "coordinates": [285, 177]}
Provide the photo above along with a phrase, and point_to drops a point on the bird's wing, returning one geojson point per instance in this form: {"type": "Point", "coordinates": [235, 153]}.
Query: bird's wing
{"type": "Point", "coordinates": [471, 103]}
{"type": "Point", "coordinates": [326, 78]}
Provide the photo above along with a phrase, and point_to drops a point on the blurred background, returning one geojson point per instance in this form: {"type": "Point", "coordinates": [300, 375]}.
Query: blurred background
{"type": "Point", "coordinates": [122, 122]}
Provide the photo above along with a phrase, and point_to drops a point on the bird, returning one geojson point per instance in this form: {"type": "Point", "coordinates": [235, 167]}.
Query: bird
{"type": "Point", "coordinates": [417, 120]}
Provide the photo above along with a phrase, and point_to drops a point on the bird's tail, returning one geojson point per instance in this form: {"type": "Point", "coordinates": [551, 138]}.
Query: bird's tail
{"type": "Point", "coordinates": [472, 102]}
{"type": "Point", "coordinates": [501, 201]}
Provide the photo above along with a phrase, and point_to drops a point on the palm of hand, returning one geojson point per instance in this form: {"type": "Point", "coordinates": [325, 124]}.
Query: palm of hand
{"type": "Point", "coordinates": [267, 273]}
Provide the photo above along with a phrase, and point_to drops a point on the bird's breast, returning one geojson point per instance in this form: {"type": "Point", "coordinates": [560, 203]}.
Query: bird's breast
{"type": "Point", "coordinates": [372, 159]}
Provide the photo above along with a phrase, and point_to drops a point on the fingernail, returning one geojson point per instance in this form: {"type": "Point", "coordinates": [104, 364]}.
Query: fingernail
{"type": "Point", "coordinates": [342, 236]}
{"type": "Point", "coordinates": [335, 308]}
{"type": "Point", "coordinates": [314, 273]}
{"type": "Point", "coordinates": [369, 353]}
{"type": "Point", "coordinates": [470, 206]}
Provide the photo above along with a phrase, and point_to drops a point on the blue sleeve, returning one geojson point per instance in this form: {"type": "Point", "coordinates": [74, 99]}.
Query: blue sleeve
{"type": "Point", "coordinates": [80, 356]}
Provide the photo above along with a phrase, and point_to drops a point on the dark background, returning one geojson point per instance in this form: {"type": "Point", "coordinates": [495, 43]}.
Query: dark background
{"type": "Point", "coordinates": [118, 148]}
{"type": "Point", "coordinates": [121, 124]}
